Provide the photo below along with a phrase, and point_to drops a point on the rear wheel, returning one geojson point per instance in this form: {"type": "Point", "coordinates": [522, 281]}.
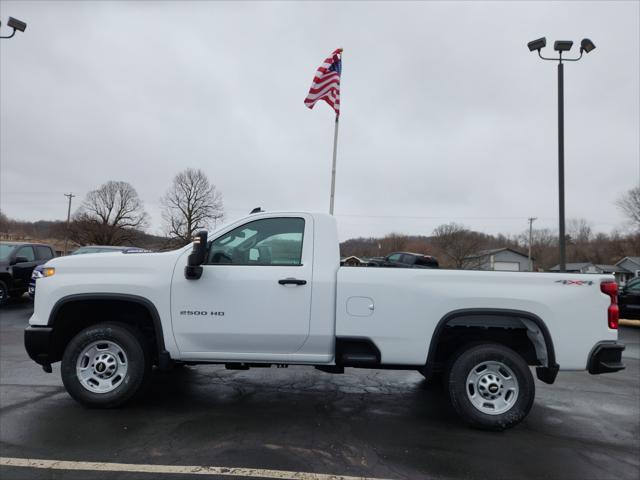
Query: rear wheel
{"type": "Point", "coordinates": [106, 365]}
{"type": "Point", "coordinates": [491, 387]}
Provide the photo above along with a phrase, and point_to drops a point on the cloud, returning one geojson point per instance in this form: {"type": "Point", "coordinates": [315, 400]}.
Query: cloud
{"type": "Point", "coordinates": [446, 115]}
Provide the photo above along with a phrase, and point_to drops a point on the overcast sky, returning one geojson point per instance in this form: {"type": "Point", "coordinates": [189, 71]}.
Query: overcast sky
{"type": "Point", "coordinates": [446, 116]}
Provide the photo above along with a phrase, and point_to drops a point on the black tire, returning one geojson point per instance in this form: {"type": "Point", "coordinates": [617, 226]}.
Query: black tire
{"type": "Point", "coordinates": [138, 361]}
{"type": "Point", "coordinates": [462, 366]}
{"type": "Point", "coordinates": [3, 293]}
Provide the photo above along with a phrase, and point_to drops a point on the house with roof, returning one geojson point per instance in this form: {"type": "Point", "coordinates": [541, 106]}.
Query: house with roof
{"type": "Point", "coordinates": [353, 261]}
{"type": "Point", "coordinates": [498, 259]}
{"type": "Point", "coordinates": [631, 265]}
{"type": "Point", "coordinates": [621, 274]}
{"type": "Point", "coordinates": [577, 267]}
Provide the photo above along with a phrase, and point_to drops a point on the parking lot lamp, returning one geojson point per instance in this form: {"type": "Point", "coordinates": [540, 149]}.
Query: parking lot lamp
{"type": "Point", "coordinates": [16, 25]}
{"type": "Point", "coordinates": [561, 46]}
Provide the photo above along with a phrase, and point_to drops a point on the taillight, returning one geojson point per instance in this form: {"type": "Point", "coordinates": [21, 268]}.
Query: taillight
{"type": "Point", "coordinates": [613, 312]}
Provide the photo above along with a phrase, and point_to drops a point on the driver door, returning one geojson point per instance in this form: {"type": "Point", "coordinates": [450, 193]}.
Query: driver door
{"type": "Point", "coordinates": [254, 296]}
{"type": "Point", "coordinates": [22, 269]}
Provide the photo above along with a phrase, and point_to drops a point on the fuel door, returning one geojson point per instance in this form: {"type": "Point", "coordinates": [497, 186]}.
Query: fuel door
{"type": "Point", "coordinates": [360, 306]}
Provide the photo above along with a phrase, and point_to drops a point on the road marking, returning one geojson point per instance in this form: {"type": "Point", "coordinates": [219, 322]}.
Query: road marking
{"type": "Point", "coordinates": [179, 469]}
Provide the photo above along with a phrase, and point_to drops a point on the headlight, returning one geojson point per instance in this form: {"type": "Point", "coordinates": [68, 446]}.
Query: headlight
{"type": "Point", "coordinates": [36, 274]}
{"type": "Point", "coordinates": [48, 271]}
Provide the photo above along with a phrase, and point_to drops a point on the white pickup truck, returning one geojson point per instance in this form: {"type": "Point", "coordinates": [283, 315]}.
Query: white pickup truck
{"type": "Point", "coordinates": [269, 290]}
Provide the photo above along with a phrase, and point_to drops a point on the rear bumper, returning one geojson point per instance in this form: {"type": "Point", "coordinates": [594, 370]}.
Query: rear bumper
{"type": "Point", "coordinates": [606, 357]}
{"type": "Point", "coordinates": [38, 343]}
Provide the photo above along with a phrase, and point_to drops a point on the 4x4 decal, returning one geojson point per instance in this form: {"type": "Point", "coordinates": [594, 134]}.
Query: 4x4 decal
{"type": "Point", "coordinates": [575, 282]}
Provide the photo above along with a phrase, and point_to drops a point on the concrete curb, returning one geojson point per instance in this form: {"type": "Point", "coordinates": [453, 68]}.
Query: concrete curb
{"type": "Point", "coordinates": [630, 323]}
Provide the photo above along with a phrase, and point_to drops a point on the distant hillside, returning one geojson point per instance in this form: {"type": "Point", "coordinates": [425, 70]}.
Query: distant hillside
{"type": "Point", "coordinates": [54, 232]}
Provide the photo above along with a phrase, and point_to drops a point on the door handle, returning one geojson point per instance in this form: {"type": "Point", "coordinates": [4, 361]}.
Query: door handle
{"type": "Point", "coordinates": [292, 281]}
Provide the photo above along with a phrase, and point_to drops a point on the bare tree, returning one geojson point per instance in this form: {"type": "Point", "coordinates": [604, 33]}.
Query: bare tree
{"type": "Point", "coordinates": [457, 243]}
{"type": "Point", "coordinates": [579, 230]}
{"type": "Point", "coordinates": [110, 215]}
{"type": "Point", "coordinates": [192, 203]}
{"type": "Point", "coordinates": [629, 203]}
{"type": "Point", "coordinates": [579, 235]}
{"type": "Point", "coordinates": [393, 242]}
{"type": "Point", "coordinates": [5, 223]}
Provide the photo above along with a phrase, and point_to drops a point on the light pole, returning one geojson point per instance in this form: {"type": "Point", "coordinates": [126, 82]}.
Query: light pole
{"type": "Point", "coordinates": [66, 237]}
{"type": "Point", "coordinates": [531, 220]}
{"type": "Point", "coordinates": [560, 46]}
{"type": "Point", "coordinates": [16, 25]}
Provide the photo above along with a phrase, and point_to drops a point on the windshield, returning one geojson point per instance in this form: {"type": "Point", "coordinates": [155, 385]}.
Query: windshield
{"type": "Point", "coordinates": [5, 250]}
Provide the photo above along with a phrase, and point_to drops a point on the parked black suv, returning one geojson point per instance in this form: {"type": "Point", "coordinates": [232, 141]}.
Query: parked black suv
{"type": "Point", "coordinates": [629, 300]}
{"type": "Point", "coordinates": [404, 260]}
{"type": "Point", "coordinates": [17, 261]}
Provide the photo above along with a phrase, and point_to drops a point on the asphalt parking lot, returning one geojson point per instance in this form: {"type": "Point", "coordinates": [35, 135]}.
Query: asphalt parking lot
{"type": "Point", "coordinates": [378, 424]}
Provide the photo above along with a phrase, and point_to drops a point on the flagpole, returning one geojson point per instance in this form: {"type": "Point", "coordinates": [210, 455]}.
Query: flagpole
{"type": "Point", "coordinates": [333, 167]}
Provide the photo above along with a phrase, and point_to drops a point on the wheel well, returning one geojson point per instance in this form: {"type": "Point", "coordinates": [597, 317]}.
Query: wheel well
{"type": "Point", "coordinates": [73, 316]}
{"type": "Point", "coordinates": [525, 335]}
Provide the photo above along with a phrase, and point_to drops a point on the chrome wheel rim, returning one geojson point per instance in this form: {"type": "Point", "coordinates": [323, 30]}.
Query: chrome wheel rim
{"type": "Point", "coordinates": [492, 387]}
{"type": "Point", "coordinates": [102, 366]}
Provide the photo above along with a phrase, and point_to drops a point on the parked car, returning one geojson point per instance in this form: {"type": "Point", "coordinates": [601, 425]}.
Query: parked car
{"type": "Point", "coordinates": [629, 300]}
{"type": "Point", "coordinates": [38, 271]}
{"type": "Point", "coordinates": [269, 290]}
{"type": "Point", "coordinates": [404, 260]}
{"type": "Point", "coordinates": [17, 261]}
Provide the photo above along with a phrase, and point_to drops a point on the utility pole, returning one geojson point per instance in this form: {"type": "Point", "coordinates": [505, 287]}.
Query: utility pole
{"type": "Point", "coordinates": [66, 239]}
{"type": "Point", "coordinates": [531, 220]}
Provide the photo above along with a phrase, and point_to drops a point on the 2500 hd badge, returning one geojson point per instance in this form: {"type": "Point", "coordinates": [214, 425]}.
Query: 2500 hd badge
{"type": "Point", "coordinates": [201, 313]}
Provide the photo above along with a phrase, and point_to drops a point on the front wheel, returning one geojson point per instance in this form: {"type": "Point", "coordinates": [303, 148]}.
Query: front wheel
{"type": "Point", "coordinates": [491, 387]}
{"type": "Point", "coordinates": [106, 365]}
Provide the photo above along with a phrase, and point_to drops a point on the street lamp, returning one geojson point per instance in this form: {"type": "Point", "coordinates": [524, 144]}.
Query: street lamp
{"type": "Point", "coordinates": [561, 46]}
{"type": "Point", "coordinates": [16, 25]}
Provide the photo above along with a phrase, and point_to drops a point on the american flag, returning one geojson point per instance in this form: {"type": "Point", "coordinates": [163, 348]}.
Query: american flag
{"type": "Point", "coordinates": [326, 83]}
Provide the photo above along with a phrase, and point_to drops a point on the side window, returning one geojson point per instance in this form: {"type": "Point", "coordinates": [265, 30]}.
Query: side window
{"type": "Point", "coordinates": [26, 252]}
{"type": "Point", "coordinates": [44, 253]}
{"type": "Point", "coordinates": [408, 259]}
{"type": "Point", "coordinates": [426, 262]}
{"type": "Point", "coordinates": [635, 288]}
{"type": "Point", "coordinates": [395, 257]}
{"type": "Point", "coordinates": [270, 241]}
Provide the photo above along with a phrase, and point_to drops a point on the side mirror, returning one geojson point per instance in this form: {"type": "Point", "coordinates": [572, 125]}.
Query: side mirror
{"type": "Point", "coordinates": [193, 270]}
{"type": "Point", "coordinates": [20, 260]}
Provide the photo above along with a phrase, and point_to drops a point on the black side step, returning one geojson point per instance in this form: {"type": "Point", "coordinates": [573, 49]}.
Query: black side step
{"type": "Point", "coordinates": [356, 352]}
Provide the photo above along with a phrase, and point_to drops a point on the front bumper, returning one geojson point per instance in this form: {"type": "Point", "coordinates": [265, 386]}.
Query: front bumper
{"type": "Point", "coordinates": [606, 357]}
{"type": "Point", "coordinates": [38, 341]}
